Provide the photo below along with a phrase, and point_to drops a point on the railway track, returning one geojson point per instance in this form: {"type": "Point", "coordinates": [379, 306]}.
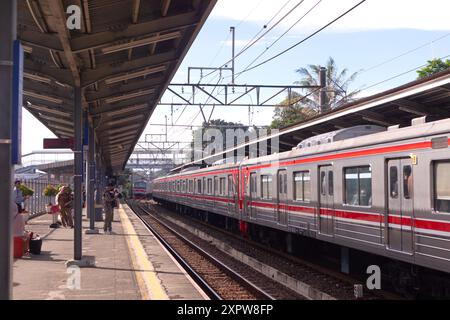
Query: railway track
{"type": "Point", "coordinates": [330, 282]}
{"type": "Point", "coordinates": [219, 277]}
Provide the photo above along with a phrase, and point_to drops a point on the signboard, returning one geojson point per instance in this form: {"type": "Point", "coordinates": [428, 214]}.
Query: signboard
{"type": "Point", "coordinates": [59, 143]}
{"type": "Point", "coordinates": [16, 127]}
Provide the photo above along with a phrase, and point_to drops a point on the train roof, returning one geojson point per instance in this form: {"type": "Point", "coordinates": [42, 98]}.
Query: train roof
{"type": "Point", "coordinates": [348, 139]}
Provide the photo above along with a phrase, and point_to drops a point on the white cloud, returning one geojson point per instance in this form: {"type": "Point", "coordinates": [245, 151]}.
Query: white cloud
{"type": "Point", "coordinates": [238, 43]}
{"type": "Point", "coordinates": [371, 15]}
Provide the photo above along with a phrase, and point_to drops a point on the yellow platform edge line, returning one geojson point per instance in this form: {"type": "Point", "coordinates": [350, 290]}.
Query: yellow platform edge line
{"type": "Point", "coordinates": [148, 282]}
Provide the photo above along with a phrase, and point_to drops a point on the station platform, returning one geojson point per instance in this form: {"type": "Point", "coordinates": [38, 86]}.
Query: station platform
{"type": "Point", "coordinates": [130, 264]}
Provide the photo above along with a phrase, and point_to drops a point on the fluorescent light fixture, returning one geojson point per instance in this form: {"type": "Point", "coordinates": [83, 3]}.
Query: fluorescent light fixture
{"type": "Point", "coordinates": [129, 96]}
{"type": "Point", "coordinates": [128, 139]}
{"type": "Point", "coordinates": [128, 135]}
{"type": "Point", "coordinates": [42, 97]}
{"type": "Point", "coordinates": [118, 156]}
{"type": "Point", "coordinates": [123, 134]}
{"type": "Point", "coordinates": [36, 77]}
{"type": "Point", "coordinates": [136, 74]}
{"type": "Point", "coordinates": [56, 119]}
{"type": "Point", "coordinates": [126, 119]}
{"type": "Point", "coordinates": [63, 134]}
{"type": "Point", "coordinates": [64, 129]}
{"type": "Point", "coordinates": [141, 42]}
{"type": "Point", "coordinates": [48, 110]}
{"type": "Point", "coordinates": [127, 109]}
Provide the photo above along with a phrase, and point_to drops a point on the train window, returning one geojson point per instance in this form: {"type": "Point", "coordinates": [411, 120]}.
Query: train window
{"type": "Point", "coordinates": [280, 183]}
{"type": "Point", "coordinates": [266, 187]}
{"type": "Point", "coordinates": [209, 186]}
{"type": "Point", "coordinates": [222, 186]}
{"type": "Point", "coordinates": [230, 184]}
{"type": "Point", "coordinates": [199, 186]}
{"type": "Point", "coordinates": [442, 186]}
{"type": "Point", "coordinates": [407, 181]}
{"type": "Point", "coordinates": [330, 183]}
{"type": "Point", "coordinates": [205, 187]}
{"type": "Point", "coordinates": [253, 184]}
{"type": "Point", "coordinates": [216, 184]}
{"type": "Point", "coordinates": [323, 183]}
{"type": "Point", "coordinates": [393, 182]}
{"type": "Point", "coordinates": [358, 186]}
{"type": "Point", "coordinates": [302, 186]}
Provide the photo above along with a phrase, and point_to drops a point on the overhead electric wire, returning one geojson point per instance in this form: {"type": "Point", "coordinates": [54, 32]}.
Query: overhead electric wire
{"type": "Point", "coordinates": [248, 46]}
{"type": "Point", "coordinates": [404, 54]}
{"type": "Point", "coordinates": [306, 38]}
{"type": "Point", "coordinates": [401, 74]}
{"type": "Point", "coordinates": [250, 13]}
{"type": "Point", "coordinates": [268, 23]}
{"type": "Point", "coordinates": [392, 78]}
{"type": "Point", "coordinates": [281, 36]}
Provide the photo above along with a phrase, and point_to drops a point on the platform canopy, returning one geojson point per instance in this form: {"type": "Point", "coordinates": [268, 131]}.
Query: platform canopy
{"type": "Point", "coordinates": [123, 57]}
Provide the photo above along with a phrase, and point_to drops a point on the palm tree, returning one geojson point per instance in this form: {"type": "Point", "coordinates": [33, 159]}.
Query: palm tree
{"type": "Point", "coordinates": [337, 84]}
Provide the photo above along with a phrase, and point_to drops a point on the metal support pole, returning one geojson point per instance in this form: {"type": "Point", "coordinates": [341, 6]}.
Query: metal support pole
{"type": "Point", "coordinates": [233, 31]}
{"type": "Point", "coordinates": [78, 177]}
{"type": "Point", "coordinates": [90, 181]}
{"type": "Point", "coordinates": [8, 20]}
{"type": "Point", "coordinates": [323, 98]}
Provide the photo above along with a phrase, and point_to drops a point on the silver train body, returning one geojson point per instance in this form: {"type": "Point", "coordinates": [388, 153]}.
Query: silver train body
{"type": "Point", "coordinates": [387, 193]}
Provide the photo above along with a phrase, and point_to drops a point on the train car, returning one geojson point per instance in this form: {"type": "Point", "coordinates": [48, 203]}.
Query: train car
{"type": "Point", "coordinates": [140, 190]}
{"type": "Point", "coordinates": [385, 192]}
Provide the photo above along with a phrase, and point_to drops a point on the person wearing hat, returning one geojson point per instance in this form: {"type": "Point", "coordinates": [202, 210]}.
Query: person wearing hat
{"type": "Point", "coordinates": [18, 196]}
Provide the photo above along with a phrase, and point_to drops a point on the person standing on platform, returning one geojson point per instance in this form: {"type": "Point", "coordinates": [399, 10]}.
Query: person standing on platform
{"type": "Point", "coordinates": [65, 201]}
{"type": "Point", "coordinates": [18, 196]}
{"type": "Point", "coordinates": [109, 201]}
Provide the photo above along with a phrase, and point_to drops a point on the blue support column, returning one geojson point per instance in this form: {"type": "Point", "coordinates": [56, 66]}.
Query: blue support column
{"type": "Point", "coordinates": [8, 21]}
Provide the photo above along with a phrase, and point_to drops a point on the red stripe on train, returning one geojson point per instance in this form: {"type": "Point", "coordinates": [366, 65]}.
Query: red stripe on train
{"type": "Point", "coordinates": [370, 217]}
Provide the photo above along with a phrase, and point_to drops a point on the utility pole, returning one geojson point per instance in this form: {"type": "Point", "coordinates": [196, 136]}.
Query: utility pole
{"type": "Point", "coordinates": [8, 25]}
{"type": "Point", "coordinates": [233, 31]}
{"type": "Point", "coordinates": [166, 127]}
{"type": "Point", "coordinates": [78, 176]}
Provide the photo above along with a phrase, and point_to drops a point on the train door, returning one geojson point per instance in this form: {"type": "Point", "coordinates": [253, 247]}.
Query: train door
{"type": "Point", "coordinates": [398, 221]}
{"type": "Point", "coordinates": [282, 197]}
{"type": "Point", "coordinates": [232, 196]}
{"type": "Point", "coordinates": [326, 200]}
{"type": "Point", "coordinates": [246, 196]}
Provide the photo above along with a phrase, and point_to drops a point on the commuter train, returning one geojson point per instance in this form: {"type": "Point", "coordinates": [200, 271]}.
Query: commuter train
{"type": "Point", "coordinates": [382, 191]}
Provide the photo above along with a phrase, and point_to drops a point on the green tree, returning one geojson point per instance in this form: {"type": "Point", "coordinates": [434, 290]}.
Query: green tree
{"type": "Point", "coordinates": [291, 111]}
{"type": "Point", "coordinates": [337, 85]}
{"type": "Point", "coordinates": [218, 124]}
{"type": "Point", "coordinates": [433, 66]}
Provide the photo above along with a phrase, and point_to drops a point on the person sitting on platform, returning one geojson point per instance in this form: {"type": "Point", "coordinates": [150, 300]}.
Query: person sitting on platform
{"type": "Point", "coordinates": [18, 196]}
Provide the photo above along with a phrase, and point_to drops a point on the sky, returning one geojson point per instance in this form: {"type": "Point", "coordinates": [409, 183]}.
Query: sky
{"type": "Point", "coordinates": [381, 39]}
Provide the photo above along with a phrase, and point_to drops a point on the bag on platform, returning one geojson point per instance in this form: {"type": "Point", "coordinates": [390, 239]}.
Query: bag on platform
{"type": "Point", "coordinates": [35, 245]}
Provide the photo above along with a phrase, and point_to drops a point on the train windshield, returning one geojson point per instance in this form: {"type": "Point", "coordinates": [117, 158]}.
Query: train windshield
{"type": "Point", "coordinates": [140, 185]}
